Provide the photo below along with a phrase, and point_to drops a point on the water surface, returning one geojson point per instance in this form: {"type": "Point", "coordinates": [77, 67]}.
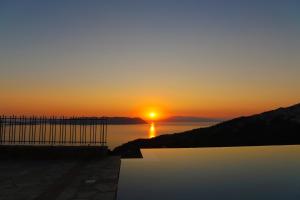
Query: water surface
{"type": "Point", "coordinates": [120, 134]}
{"type": "Point", "coordinates": [271, 172]}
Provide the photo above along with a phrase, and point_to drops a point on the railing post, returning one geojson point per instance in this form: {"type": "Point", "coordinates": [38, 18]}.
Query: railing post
{"type": "Point", "coordinates": [51, 130]}
{"type": "Point", "coordinates": [4, 129]}
{"type": "Point", "coordinates": [30, 129]}
{"type": "Point", "coordinates": [44, 129]}
{"type": "Point", "coordinates": [75, 130]}
{"type": "Point", "coordinates": [13, 129]}
{"type": "Point", "coordinates": [60, 131]}
{"type": "Point", "coordinates": [25, 128]}
{"type": "Point", "coordinates": [80, 130]}
{"type": "Point", "coordinates": [1, 129]}
{"type": "Point", "coordinates": [105, 130]}
{"type": "Point", "coordinates": [95, 132]}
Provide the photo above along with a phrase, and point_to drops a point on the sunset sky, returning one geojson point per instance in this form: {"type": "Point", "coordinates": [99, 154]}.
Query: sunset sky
{"type": "Point", "coordinates": [126, 58]}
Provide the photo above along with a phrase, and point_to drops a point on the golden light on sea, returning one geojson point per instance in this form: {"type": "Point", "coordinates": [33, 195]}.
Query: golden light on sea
{"type": "Point", "coordinates": [152, 130]}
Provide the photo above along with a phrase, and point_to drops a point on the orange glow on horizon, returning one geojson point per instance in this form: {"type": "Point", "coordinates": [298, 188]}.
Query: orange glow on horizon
{"type": "Point", "coordinates": [51, 103]}
{"type": "Point", "coordinates": [152, 113]}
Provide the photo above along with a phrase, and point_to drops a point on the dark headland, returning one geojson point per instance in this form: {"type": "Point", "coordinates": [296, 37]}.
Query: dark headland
{"type": "Point", "coordinates": [125, 120]}
{"type": "Point", "coordinates": [116, 120]}
{"type": "Point", "coordinates": [276, 127]}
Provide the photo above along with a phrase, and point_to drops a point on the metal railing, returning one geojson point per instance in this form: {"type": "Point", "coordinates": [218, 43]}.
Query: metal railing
{"type": "Point", "coordinates": [83, 131]}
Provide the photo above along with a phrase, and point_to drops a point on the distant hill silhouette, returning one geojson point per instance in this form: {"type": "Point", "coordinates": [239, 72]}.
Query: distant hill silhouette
{"type": "Point", "coordinates": [190, 119]}
{"type": "Point", "coordinates": [277, 127]}
{"type": "Point", "coordinates": [116, 120]}
{"type": "Point", "coordinates": [125, 120]}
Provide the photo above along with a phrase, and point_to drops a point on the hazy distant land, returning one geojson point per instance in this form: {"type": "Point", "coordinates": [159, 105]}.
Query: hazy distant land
{"type": "Point", "coordinates": [190, 119]}
{"type": "Point", "coordinates": [277, 127]}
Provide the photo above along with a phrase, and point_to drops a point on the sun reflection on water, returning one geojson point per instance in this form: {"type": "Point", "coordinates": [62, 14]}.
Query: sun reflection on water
{"type": "Point", "coordinates": [152, 130]}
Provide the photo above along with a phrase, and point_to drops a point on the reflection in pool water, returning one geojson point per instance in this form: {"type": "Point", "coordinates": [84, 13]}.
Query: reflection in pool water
{"type": "Point", "coordinates": [236, 173]}
{"type": "Point", "coordinates": [152, 131]}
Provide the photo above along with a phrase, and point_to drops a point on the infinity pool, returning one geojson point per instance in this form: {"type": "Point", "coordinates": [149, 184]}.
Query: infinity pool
{"type": "Point", "coordinates": [271, 172]}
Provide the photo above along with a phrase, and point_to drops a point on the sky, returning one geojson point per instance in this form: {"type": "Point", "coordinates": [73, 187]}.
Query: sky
{"type": "Point", "coordinates": [213, 58]}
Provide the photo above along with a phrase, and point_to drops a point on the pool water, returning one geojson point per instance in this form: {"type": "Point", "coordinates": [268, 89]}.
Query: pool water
{"type": "Point", "coordinates": [269, 172]}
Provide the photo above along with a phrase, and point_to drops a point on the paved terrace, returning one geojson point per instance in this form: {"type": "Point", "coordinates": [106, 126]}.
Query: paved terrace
{"type": "Point", "coordinates": [61, 179]}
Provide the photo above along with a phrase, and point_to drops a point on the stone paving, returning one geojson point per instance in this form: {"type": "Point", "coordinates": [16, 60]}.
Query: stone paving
{"type": "Point", "coordinates": [59, 179]}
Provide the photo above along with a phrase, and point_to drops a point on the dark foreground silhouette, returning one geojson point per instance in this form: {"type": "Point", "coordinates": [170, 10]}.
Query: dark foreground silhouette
{"type": "Point", "coordinates": [277, 127]}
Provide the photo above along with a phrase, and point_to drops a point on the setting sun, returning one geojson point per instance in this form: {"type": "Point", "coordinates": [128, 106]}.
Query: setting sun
{"type": "Point", "coordinates": [152, 115]}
